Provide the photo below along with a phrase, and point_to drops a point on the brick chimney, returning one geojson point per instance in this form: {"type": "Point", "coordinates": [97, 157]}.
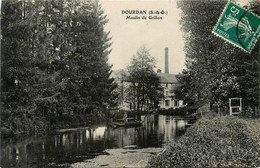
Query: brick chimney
{"type": "Point", "coordinates": [166, 61]}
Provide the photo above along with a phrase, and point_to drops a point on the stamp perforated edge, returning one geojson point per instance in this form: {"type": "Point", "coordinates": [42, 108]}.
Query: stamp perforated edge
{"type": "Point", "coordinates": [228, 40]}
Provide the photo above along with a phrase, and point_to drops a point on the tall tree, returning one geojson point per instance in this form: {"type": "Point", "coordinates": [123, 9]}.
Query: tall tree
{"type": "Point", "coordinates": [19, 71]}
{"type": "Point", "coordinates": [210, 73]}
{"type": "Point", "coordinates": [247, 69]}
{"type": "Point", "coordinates": [87, 64]}
{"type": "Point", "coordinates": [145, 84]}
{"type": "Point", "coordinates": [54, 58]}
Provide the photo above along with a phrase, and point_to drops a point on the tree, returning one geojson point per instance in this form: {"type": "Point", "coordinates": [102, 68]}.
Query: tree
{"type": "Point", "coordinates": [54, 59]}
{"type": "Point", "coordinates": [247, 70]}
{"type": "Point", "coordinates": [216, 70]}
{"type": "Point", "coordinates": [211, 62]}
{"type": "Point", "coordinates": [19, 70]}
{"type": "Point", "coordinates": [87, 64]}
{"type": "Point", "coordinates": [145, 86]}
{"type": "Point", "coordinates": [184, 90]}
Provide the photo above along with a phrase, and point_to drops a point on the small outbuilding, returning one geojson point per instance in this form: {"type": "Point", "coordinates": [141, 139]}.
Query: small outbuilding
{"type": "Point", "coordinates": [200, 107]}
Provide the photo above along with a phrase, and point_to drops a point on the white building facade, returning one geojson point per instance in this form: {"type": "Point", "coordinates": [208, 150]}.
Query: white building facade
{"type": "Point", "coordinates": [168, 82]}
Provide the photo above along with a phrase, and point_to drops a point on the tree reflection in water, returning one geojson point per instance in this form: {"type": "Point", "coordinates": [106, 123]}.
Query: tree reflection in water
{"type": "Point", "coordinates": [69, 146]}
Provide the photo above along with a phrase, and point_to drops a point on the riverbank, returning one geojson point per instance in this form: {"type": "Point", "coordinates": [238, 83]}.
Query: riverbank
{"type": "Point", "coordinates": [65, 147]}
{"type": "Point", "coordinates": [224, 141]}
{"type": "Point", "coordinates": [120, 158]}
{"type": "Point", "coordinates": [26, 126]}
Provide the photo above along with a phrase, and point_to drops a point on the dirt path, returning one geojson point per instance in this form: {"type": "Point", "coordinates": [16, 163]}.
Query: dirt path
{"type": "Point", "coordinates": [120, 158]}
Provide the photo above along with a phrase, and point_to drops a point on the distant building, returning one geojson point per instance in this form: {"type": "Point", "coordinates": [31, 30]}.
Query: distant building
{"type": "Point", "coordinates": [168, 83]}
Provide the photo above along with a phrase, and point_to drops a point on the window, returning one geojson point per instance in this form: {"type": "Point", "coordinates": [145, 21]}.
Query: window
{"type": "Point", "coordinates": [176, 103]}
{"type": "Point", "coordinates": [166, 85]}
{"type": "Point", "coordinates": [167, 93]}
{"type": "Point", "coordinates": [167, 102]}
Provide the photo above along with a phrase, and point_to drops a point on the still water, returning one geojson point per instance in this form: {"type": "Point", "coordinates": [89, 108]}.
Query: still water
{"type": "Point", "coordinates": [69, 146]}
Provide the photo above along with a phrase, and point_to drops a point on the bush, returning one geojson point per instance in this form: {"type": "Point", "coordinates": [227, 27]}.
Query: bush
{"type": "Point", "coordinates": [248, 112]}
{"type": "Point", "coordinates": [130, 114]}
{"type": "Point", "coordinates": [206, 115]}
{"type": "Point", "coordinates": [41, 125]}
{"type": "Point", "coordinates": [219, 142]}
{"type": "Point", "coordinates": [72, 121]}
{"type": "Point", "coordinates": [178, 111]}
{"type": "Point", "coordinates": [6, 132]}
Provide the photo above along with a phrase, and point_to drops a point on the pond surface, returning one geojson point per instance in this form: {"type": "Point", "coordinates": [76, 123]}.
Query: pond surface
{"type": "Point", "coordinates": [75, 145]}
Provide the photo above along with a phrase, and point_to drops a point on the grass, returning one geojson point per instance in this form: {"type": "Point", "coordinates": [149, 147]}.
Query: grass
{"type": "Point", "coordinates": [225, 141]}
{"type": "Point", "coordinates": [254, 124]}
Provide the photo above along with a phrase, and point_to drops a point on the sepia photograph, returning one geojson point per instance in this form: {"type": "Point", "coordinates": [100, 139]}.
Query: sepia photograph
{"type": "Point", "coordinates": [130, 83]}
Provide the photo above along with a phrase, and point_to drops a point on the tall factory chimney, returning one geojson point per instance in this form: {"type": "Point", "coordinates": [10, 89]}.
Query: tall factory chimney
{"type": "Point", "coordinates": [166, 61]}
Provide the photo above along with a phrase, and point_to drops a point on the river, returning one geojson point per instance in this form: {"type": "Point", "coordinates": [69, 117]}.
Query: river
{"type": "Point", "coordinates": [67, 146]}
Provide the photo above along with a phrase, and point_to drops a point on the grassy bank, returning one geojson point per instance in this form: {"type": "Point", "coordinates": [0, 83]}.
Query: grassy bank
{"type": "Point", "coordinates": [254, 124]}
{"type": "Point", "coordinates": [218, 142]}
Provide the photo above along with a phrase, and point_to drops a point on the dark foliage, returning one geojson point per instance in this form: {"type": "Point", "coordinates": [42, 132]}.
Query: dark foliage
{"type": "Point", "coordinates": [144, 84]}
{"type": "Point", "coordinates": [54, 62]}
{"type": "Point", "coordinates": [216, 70]}
{"type": "Point", "coordinates": [182, 111]}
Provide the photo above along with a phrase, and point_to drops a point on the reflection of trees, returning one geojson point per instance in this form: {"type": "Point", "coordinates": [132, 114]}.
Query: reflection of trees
{"type": "Point", "coordinates": [61, 147]}
{"type": "Point", "coordinates": [123, 136]}
{"type": "Point", "coordinates": [168, 127]}
{"type": "Point", "coordinates": [65, 146]}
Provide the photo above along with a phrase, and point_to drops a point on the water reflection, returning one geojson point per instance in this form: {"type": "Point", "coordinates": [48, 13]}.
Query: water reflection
{"type": "Point", "coordinates": [77, 145]}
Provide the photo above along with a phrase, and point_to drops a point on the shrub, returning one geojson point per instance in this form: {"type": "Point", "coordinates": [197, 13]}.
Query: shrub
{"type": "Point", "coordinates": [219, 142]}
{"type": "Point", "coordinates": [206, 115]}
{"type": "Point", "coordinates": [72, 121]}
{"type": "Point", "coordinates": [248, 112]}
{"type": "Point", "coordinates": [40, 125]}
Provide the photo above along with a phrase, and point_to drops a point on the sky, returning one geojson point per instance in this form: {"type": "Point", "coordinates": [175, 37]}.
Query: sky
{"type": "Point", "coordinates": [128, 34]}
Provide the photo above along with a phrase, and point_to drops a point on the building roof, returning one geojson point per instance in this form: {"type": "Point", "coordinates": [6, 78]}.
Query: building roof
{"type": "Point", "coordinates": [167, 78]}
{"type": "Point", "coordinates": [198, 104]}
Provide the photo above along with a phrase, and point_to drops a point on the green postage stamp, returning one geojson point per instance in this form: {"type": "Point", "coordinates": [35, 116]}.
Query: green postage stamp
{"type": "Point", "coordinates": [238, 26]}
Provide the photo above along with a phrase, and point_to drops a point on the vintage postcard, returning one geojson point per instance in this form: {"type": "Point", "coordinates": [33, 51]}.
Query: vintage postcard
{"type": "Point", "coordinates": [130, 83]}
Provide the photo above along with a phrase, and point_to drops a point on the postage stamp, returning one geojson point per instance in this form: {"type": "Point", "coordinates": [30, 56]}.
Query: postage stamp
{"type": "Point", "coordinates": [238, 26]}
